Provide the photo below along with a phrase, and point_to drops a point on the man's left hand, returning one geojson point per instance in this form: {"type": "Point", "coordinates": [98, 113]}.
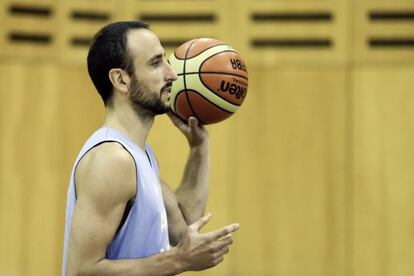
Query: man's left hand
{"type": "Point", "coordinates": [196, 134]}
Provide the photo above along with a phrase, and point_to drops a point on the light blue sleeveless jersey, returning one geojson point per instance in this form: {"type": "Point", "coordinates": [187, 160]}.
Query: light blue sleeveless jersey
{"type": "Point", "coordinates": [145, 231]}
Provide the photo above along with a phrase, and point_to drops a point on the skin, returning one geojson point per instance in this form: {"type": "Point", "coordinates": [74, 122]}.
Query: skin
{"type": "Point", "coordinates": [105, 178]}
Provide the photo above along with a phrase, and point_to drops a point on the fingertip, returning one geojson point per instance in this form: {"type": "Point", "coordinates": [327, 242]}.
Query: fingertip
{"type": "Point", "coordinates": [205, 218]}
{"type": "Point", "coordinates": [192, 121]}
{"type": "Point", "coordinates": [202, 221]}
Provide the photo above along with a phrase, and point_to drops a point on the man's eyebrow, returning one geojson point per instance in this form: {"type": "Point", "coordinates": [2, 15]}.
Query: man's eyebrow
{"type": "Point", "coordinates": [158, 56]}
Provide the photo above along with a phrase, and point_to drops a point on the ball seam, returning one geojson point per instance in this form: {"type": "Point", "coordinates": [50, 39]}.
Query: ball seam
{"type": "Point", "coordinates": [185, 83]}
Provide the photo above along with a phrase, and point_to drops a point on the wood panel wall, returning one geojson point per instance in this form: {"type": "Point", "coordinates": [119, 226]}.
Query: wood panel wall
{"type": "Point", "coordinates": [315, 166]}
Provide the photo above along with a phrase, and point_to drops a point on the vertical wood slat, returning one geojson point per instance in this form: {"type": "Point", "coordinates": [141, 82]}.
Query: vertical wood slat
{"type": "Point", "coordinates": [42, 163]}
{"type": "Point", "coordinates": [12, 193]}
{"type": "Point", "coordinates": [383, 177]}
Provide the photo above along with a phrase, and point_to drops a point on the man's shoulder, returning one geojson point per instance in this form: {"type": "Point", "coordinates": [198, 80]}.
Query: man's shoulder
{"type": "Point", "coordinates": [107, 154]}
{"type": "Point", "coordinates": [107, 166]}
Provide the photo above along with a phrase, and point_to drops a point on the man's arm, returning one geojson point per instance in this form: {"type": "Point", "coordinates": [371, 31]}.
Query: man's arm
{"type": "Point", "coordinates": [105, 182]}
{"type": "Point", "coordinates": [192, 193]}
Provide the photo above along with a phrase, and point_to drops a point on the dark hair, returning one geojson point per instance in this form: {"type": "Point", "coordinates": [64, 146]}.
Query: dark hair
{"type": "Point", "coordinates": [109, 50]}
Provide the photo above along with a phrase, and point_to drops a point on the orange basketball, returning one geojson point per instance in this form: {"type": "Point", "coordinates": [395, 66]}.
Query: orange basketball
{"type": "Point", "coordinates": [212, 80]}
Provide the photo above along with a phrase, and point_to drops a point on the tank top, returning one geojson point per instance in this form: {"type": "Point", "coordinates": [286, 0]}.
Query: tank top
{"type": "Point", "coordinates": [145, 230]}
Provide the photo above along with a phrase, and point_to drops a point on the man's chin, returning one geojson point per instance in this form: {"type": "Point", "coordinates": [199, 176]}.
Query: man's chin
{"type": "Point", "coordinates": [163, 110]}
{"type": "Point", "coordinates": [154, 108]}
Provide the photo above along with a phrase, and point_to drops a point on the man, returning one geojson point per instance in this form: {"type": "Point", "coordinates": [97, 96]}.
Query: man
{"type": "Point", "coordinates": [118, 208]}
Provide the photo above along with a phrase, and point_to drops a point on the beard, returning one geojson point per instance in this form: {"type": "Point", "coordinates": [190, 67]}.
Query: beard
{"type": "Point", "coordinates": [147, 102]}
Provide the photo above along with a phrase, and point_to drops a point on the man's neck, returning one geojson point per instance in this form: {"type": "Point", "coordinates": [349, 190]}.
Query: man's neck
{"type": "Point", "coordinates": [133, 123]}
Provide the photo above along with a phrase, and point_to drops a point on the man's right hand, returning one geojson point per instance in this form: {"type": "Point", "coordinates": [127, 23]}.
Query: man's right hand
{"type": "Point", "coordinates": [199, 251]}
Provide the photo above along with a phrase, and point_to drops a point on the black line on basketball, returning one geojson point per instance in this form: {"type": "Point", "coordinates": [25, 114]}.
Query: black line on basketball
{"type": "Point", "coordinates": [202, 51]}
{"type": "Point", "coordinates": [184, 79]}
{"type": "Point", "coordinates": [217, 73]}
{"type": "Point", "coordinates": [175, 101]}
{"type": "Point", "coordinates": [219, 107]}
{"type": "Point", "coordinates": [176, 98]}
{"type": "Point", "coordinates": [175, 55]}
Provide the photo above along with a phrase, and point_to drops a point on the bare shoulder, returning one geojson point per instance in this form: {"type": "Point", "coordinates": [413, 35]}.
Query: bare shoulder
{"type": "Point", "coordinates": [107, 170]}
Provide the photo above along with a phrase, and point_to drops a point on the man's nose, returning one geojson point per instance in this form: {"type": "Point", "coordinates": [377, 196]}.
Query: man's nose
{"type": "Point", "coordinates": [171, 75]}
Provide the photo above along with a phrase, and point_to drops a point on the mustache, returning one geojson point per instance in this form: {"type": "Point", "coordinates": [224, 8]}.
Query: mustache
{"type": "Point", "coordinates": [167, 85]}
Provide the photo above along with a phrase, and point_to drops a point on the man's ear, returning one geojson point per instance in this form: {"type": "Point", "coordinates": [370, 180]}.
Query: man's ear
{"type": "Point", "coordinates": [120, 79]}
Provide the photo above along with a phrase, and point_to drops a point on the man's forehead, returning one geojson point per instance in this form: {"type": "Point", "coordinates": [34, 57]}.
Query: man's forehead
{"type": "Point", "coordinates": [143, 43]}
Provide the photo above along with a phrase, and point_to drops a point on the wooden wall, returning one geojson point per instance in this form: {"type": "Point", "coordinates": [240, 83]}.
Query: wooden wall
{"type": "Point", "coordinates": [316, 166]}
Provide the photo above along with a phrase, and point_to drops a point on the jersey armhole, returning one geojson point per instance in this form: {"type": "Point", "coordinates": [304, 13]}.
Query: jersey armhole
{"type": "Point", "coordinates": [100, 143]}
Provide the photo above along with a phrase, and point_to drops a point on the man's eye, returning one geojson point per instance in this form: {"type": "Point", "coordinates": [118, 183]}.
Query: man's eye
{"type": "Point", "coordinates": [156, 63]}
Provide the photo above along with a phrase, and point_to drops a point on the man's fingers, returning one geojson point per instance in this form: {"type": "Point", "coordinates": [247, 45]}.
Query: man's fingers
{"type": "Point", "coordinates": [201, 222]}
{"type": "Point", "coordinates": [218, 260]}
{"type": "Point", "coordinates": [227, 237]}
{"type": "Point", "coordinates": [175, 119]}
{"type": "Point", "coordinates": [178, 122]}
{"type": "Point", "coordinates": [223, 251]}
{"type": "Point", "coordinates": [192, 122]}
{"type": "Point", "coordinates": [223, 242]}
{"type": "Point", "coordinates": [222, 232]}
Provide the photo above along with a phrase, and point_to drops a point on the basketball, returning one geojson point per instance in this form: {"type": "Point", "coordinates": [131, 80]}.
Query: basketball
{"type": "Point", "coordinates": [212, 80]}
